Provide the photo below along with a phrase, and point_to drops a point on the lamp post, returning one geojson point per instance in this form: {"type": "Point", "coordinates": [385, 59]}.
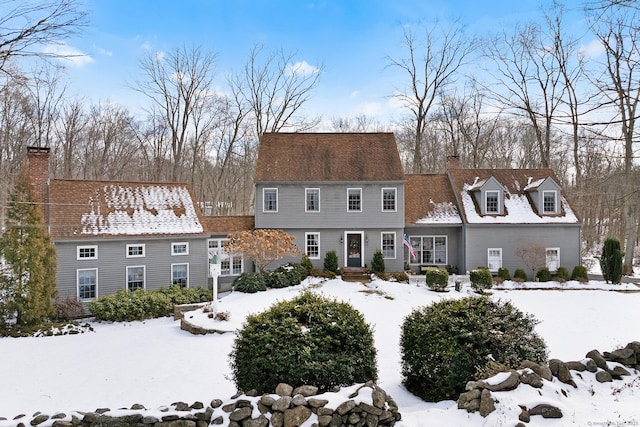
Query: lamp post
{"type": "Point", "coordinates": [214, 270]}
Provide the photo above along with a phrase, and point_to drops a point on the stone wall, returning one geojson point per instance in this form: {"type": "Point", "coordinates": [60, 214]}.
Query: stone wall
{"type": "Point", "coordinates": [359, 405]}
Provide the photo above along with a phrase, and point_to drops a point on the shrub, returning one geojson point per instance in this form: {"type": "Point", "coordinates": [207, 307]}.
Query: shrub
{"type": "Point", "coordinates": [481, 279]}
{"type": "Point", "coordinates": [127, 306]}
{"type": "Point", "coordinates": [519, 275]}
{"type": "Point", "coordinates": [503, 273]}
{"type": "Point", "coordinates": [579, 273]}
{"type": "Point", "coordinates": [400, 276]}
{"type": "Point", "coordinates": [250, 283]}
{"type": "Point", "coordinates": [295, 273]}
{"type": "Point", "coordinates": [444, 344]}
{"type": "Point", "coordinates": [377, 263]}
{"type": "Point", "coordinates": [306, 264]}
{"type": "Point", "coordinates": [543, 275]}
{"type": "Point", "coordinates": [331, 261]}
{"type": "Point", "coordinates": [437, 279]}
{"type": "Point", "coordinates": [611, 260]}
{"type": "Point", "coordinates": [277, 279]}
{"type": "Point", "coordinates": [323, 273]}
{"type": "Point", "coordinates": [307, 340]}
{"type": "Point", "coordinates": [562, 275]}
{"type": "Point", "coordinates": [178, 295]}
{"type": "Point", "coordinates": [68, 308]}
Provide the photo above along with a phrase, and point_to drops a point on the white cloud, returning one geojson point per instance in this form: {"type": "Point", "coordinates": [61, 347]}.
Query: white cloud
{"type": "Point", "coordinates": [593, 49]}
{"type": "Point", "coordinates": [104, 52]}
{"type": "Point", "coordinates": [369, 108]}
{"type": "Point", "coordinates": [160, 55]}
{"type": "Point", "coordinates": [354, 94]}
{"type": "Point", "coordinates": [68, 53]}
{"type": "Point", "coordinates": [303, 68]}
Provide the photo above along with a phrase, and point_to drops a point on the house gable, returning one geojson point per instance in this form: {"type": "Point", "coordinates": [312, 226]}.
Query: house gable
{"type": "Point", "coordinates": [429, 199]}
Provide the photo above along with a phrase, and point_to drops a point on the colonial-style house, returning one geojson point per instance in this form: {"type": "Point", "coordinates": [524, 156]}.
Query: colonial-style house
{"type": "Point", "coordinates": [342, 192]}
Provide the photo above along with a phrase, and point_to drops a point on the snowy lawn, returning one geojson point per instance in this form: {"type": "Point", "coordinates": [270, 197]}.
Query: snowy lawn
{"type": "Point", "coordinates": [154, 363]}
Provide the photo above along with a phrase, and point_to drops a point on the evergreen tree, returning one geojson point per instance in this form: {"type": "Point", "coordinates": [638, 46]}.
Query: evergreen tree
{"type": "Point", "coordinates": [611, 260]}
{"type": "Point", "coordinates": [28, 279]}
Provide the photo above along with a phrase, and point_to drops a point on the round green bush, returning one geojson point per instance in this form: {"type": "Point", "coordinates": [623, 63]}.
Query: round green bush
{"type": "Point", "coordinates": [481, 279]}
{"type": "Point", "coordinates": [520, 275]}
{"type": "Point", "coordinates": [444, 344]}
{"type": "Point", "coordinates": [127, 306]}
{"type": "Point", "coordinates": [277, 279]}
{"type": "Point", "coordinates": [250, 283]}
{"type": "Point", "coordinates": [307, 264]}
{"type": "Point", "coordinates": [543, 275]}
{"type": "Point", "coordinates": [307, 340]}
{"type": "Point", "coordinates": [503, 273]}
{"type": "Point", "coordinates": [580, 274]}
{"type": "Point", "coordinates": [179, 295]}
{"type": "Point", "coordinates": [437, 279]}
{"type": "Point", "coordinates": [562, 275]}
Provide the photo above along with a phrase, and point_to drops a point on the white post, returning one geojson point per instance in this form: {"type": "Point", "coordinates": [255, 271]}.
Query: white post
{"type": "Point", "coordinates": [214, 269]}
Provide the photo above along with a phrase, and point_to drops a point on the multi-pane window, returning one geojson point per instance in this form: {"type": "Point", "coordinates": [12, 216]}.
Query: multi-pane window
{"type": "Point", "coordinates": [87, 252]}
{"type": "Point", "coordinates": [549, 202]}
{"type": "Point", "coordinates": [270, 200]}
{"type": "Point", "coordinates": [180, 248]}
{"type": "Point", "coordinates": [135, 251]}
{"type": "Point", "coordinates": [389, 245]}
{"type": "Point", "coordinates": [553, 259]}
{"type": "Point", "coordinates": [388, 199]}
{"type": "Point", "coordinates": [494, 258]}
{"type": "Point", "coordinates": [135, 278]}
{"type": "Point", "coordinates": [492, 204]}
{"type": "Point", "coordinates": [354, 199]}
{"type": "Point", "coordinates": [230, 264]}
{"type": "Point", "coordinates": [180, 275]}
{"type": "Point", "coordinates": [312, 200]}
{"type": "Point", "coordinates": [87, 283]}
{"type": "Point", "coordinates": [429, 249]}
{"type": "Point", "coordinates": [312, 245]}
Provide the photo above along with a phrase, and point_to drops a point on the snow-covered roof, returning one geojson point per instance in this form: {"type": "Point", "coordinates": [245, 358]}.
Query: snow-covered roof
{"type": "Point", "coordinates": [441, 213]}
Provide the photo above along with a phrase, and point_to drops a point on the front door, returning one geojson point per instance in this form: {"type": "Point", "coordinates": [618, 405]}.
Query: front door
{"type": "Point", "coordinates": [354, 250]}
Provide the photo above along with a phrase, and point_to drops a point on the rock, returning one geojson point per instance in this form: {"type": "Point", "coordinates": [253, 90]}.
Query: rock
{"type": "Point", "coordinates": [298, 400]}
{"type": "Point", "coordinates": [282, 404]}
{"type": "Point", "coordinates": [39, 419]}
{"type": "Point", "coordinates": [306, 390]}
{"type": "Point", "coordinates": [603, 377]}
{"type": "Point", "coordinates": [345, 407]}
{"type": "Point", "coordinates": [619, 371]}
{"type": "Point", "coordinates": [252, 393]}
{"type": "Point", "coordinates": [487, 405]}
{"type": "Point", "coordinates": [626, 356]}
{"type": "Point", "coordinates": [324, 420]}
{"type": "Point", "coordinates": [197, 405]}
{"type": "Point", "coordinates": [277, 419]}
{"type": "Point", "coordinates": [284, 389]}
{"type": "Point", "coordinates": [590, 365]}
{"type": "Point", "coordinates": [353, 418]}
{"type": "Point", "coordinates": [547, 411]}
{"type": "Point", "coordinates": [509, 383]}
{"type": "Point", "coordinates": [243, 403]}
{"type": "Point", "coordinates": [216, 403]}
{"type": "Point", "coordinates": [560, 370]}
{"type": "Point", "coordinates": [531, 378]}
{"type": "Point", "coordinates": [379, 398]}
{"type": "Point", "coordinates": [575, 366]}
{"type": "Point", "coordinates": [296, 416]}
{"type": "Point", "coordinates": [470, 400]}
{"type": "Point", "coordinates": [524, 416]}
{"type": "Point", "coordinates": [267, 400]}
{"type": "Point", "coordinates": [261, 421]}
{"type": "Point", "coordinates": [182, 407]}
{"type": "Point", "coordinates": [229, 407]}
{"type": "Point", "coordinates": [370, 408]}
{"type": "Point", "coordinates": [598, 358]}
{"type": "Point", "coordinates": [325, 411]}
{"type": "Point", "coordinates": [137, 407]}
{"type": "Point", "coordinates": [317, 403]}
{"type": "Point", "coordinates": [240, 414]}
{"type": "Point", "coordinates": [541, 370]}
{"type": "Point", "coordinates": [473, 384]}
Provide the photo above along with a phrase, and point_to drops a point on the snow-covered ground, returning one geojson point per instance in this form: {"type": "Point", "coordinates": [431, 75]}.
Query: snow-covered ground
{"type": "Point", "coordinates": [155, 363]}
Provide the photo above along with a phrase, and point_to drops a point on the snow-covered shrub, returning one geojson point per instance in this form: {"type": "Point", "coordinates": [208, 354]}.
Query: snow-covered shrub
{"type": "Point", "coordinates": [331, 261]}
{"type": "Point", "coordinates": [543, 275]}
{"type": "Point", "coordinates": [519, 275]}
{"type": "Point", "coordinates": [250, 283]}
{"type": "Point", "coordinates": [443, 345]}
{"type": "Point", "coordinates": [377, 262]}
{"type": "Point", "coordinates": [307, 340]}
{"type": "Point", "coordinates": [295, 273]}
{"type": "Point", "coordinates": [481, 279]}
{"type": "Point", "coordinates": [437, 279]}
{"type": "Point", "coordinates": [580, 274]}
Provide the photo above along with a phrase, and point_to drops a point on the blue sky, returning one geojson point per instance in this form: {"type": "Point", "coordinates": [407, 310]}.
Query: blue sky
{"type": "Point", "coordinates": [351, 38]}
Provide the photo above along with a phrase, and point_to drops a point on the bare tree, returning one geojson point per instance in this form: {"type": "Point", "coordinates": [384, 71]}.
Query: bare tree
{"type": "Point", "coordinates": [179, 84]}
{"type": "Point", "coordinates": [533, 255]}
{"type": "Point", "coordinates": [70, 133]}
{"type": "Point", "coordinates": [431, 65]}
{"type": "Point", "coordinates": [25, 27]}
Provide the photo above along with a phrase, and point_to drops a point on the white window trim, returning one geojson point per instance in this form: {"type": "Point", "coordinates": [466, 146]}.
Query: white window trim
{"type": "Point", "coordinates": [546, 258]}
{"type": "Point", "coordinates": [488, 257]}
{"type": "Point", "coordinates": [306, 242]}
{"type": "Point", "coordinates": [144, 250]}
{"type": "Point", "coordinates": [431, 236]}
{"type": "Point", "coordinates": [360, 192]}
{"type": "Point", "coordinates": [144, 276]}
{"type": "Point", "coordinates": [264, 210]}
{"type": "Point", "coordinates": [221, 252]}
{"type": "Point", "coordinates": [79, 258]}
{"type": "Point", "coordinates": [395, 199]}
{"type": "Point", "coordinates": [306, 205]}
{"type": "Point", "coordinates": [486, 197]}
{"type": "Point", "coordinates": [78, 284]}
{"type": "Point", "coordinates": [175, 244]}
{"type": "Point", "coordinates": [395, 244]}
{"type": "Point", "coordinates": [180, 263]}
{"type": "Point", "coordinates": [555, 202]}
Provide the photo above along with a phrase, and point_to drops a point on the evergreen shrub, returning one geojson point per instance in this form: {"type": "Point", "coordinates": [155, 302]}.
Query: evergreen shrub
{"type": "Point", "coordinates": [543, 275]}
{"type": "Point", "coordinates": [611, 261]}
{"type": "Point", "coordinates": [127, 306]}
{"type": "Point", "coordinates": [277, 279]}
{"type": "Point", "coordinates": [306, 264]}
{"type": "Point", "coordinates": [323, 274]}
{"type": "Point", "coordinates": [503, 273]}
{"type": "Point", "coordinates": [443, 345]}
{"type": "Point", "coordinates": [250, 283]}
{"type": "Point", "coordinates": [400, 276]}
{"type": "Point", "coordinates": [179, 295]}
{"type": "Point", "coordinates": [519, 275]}
{"type": "Point", "coordinates": [377, 263]}
{"type": "Point", "coordinates": [307, 340]}
{"type": "Point", "coordinates": [331, 261]}
{"type": "Point", "coordinates": [579, 273]}
{"type": "Point", "coordinates": [437, 279]}
{"type": "Point", "coordinates": [481, 279]}
{"type": "Point", "coordinates": [562, 275]}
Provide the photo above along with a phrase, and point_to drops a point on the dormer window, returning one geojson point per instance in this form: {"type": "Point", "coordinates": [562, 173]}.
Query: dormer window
{"type": "Point", "coordinates": [549, 202]}
{"type": "Point", "coordinates": [491, 202]}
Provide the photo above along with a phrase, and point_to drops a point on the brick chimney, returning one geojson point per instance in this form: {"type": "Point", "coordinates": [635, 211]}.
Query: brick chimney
{"type": "Point", "coordinates": [38, 158]}
{"type": "Point", "coordinates": [453, 162]}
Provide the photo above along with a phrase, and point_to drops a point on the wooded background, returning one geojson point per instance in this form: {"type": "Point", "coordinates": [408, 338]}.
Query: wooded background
{"type": "Point", "coordinates": [523, 97]}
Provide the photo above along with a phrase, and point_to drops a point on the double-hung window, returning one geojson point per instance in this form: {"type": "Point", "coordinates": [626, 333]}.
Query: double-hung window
{"type": "Point", "coordinates": [312, 245]}
{"type": "Point", "coordinates": [494, 259]}
{"type": "Point", "coordinates": [180, 248]}
{"type": "Point", "coordinates": [429, 249]}
{"type": "Point", "coordinates": [135, 277]}
{"type": "Point", "coordinates": [87, 252]}
{"type": "Point", "coordinates": [549, 202]}
{"type": "Point", "coordinates": [180, 275]}
{"type": "Point", "coordinates": [135, 251]}
{"type": "Point", "coordinates": [87, 280]}
{"type": "Point", "coordinates": [312, 200]}
{"type": "Point", "coordinates": [389, 199]}
{"type": "Point", "coordinates": [354, 200]}
{"type": "Point", "coordinates": [553, 259]}
{"type": "Point", "coordinates": [389, 245]}
{"type": "Point", "coordinates": [269, 200]}
{"type": "Point", "coordinates": [230, 264]}
{"type": "Point", "coordinates": [492, 203]}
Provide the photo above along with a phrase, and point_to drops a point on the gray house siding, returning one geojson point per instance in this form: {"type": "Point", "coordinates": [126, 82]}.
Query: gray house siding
{"type": "Point", "coordinates": [479, 238]}
{"type": "Point", "coordinates": [112, 263]}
